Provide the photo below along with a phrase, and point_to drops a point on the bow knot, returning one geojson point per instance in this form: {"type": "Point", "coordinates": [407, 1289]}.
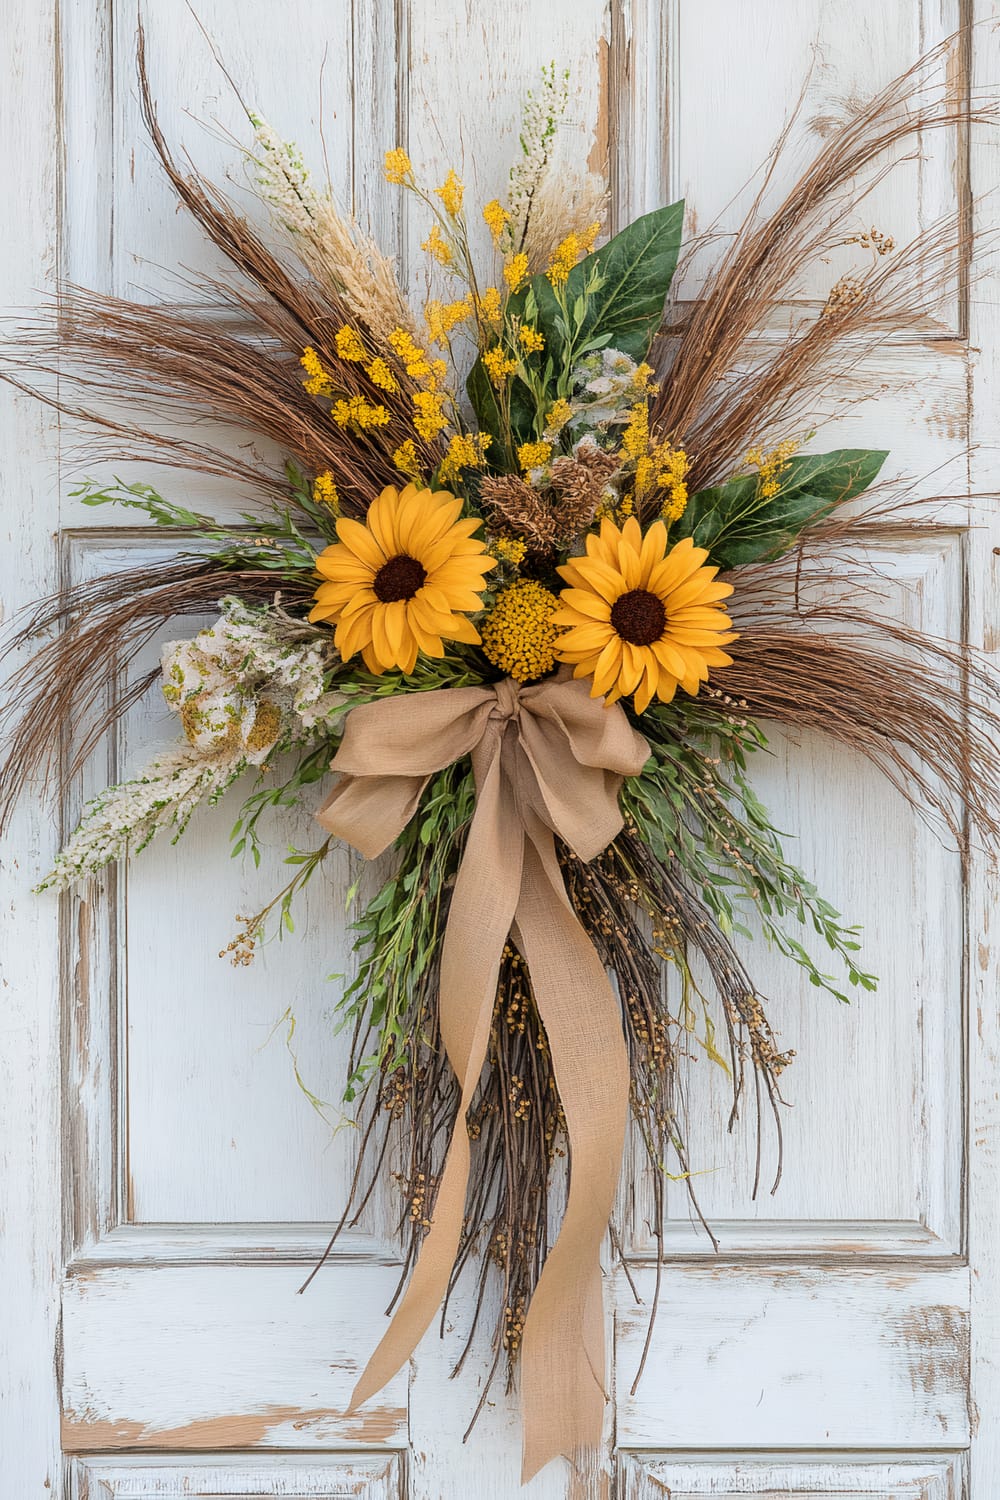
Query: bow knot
{"type": "Point", "coordinates": [546, 759]}
{"type": "Point", "coordinates": [508, 696]}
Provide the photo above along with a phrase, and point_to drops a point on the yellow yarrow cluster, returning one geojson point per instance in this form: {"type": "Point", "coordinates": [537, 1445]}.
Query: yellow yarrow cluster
{"type": "Point", "coordinates": [656, 464]}
{"type": "Point", "coordinates": [573, 248]}
{"type": "Point", "coordinates": [465, 451]}
{"type": "Point", "coordinates": [531, 341]}
{"type": "Point", "coordinates": [498, 364]}
{"type": "Point", "coordinates": [357, 412]}
{"type": "Point", "coordinates": [406, 461]}
{"type": "Point", "coordinates": [442, 317]}
{"type": "Point", "coordinates": [635, 438]}
{"type": "Point", "coordinates": [428, 414]}
{"type": "Point", "coordinates": [515, 272]}
{"type": "Point", "coordinates": [490, 305]}
{"type": "Point", "coordinates": [533, 455]}
{"type": "Point", "coordinates": [518, 634]}
{"type": "Point", "coordinates": [398, 166]}
{"type": "Point", "coordinates": [508, 549]}
{"type": "Point", "coordinates": [671, 470]}
{"type": "Point", "coordinates": [415, 360]}
{"type": "Point", "coordinates": [324, 491]}
{"type": "Point", "coordinates": [435, 244]}
{"type": "Point", "coordinates": [319, 381]}
{"type": "Point", "coordinates": [347, 342]}
{"type": "Point", "coordinates": [642, 380]}
{"type": "Point", "coordinates": [378, 373]}
{"type": "Point", "coordinates": [770, 466]}
{"type": "Point", "coordinates": [558, 414]}
{"type": "Point", "coordinates": [496, 218]}
{"type": "Point", "coordinates": [451, 192]}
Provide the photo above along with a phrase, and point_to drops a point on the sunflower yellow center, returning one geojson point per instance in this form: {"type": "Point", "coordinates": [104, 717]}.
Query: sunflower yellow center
{"type": "Point", "coordinates": [399, 578]}
{"type": "Point", "coordinates": [639, 617]}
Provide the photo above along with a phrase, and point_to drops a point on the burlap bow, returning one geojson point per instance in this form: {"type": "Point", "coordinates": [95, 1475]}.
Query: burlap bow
{"type": "Point", "coordinates": [546, 759]}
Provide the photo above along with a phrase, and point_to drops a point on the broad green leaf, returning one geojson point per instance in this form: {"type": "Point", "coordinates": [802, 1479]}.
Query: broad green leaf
{"type": "Point", "coordinates": [483, 398]}
{"type": "Point", "coordinates": [836, 476]}
{"type": "Point", "coordinates": [737, 525]}
{"type": "Point", "coordinates": [771, 531]}
{"type": "Point", "coordinates": [625, 305]}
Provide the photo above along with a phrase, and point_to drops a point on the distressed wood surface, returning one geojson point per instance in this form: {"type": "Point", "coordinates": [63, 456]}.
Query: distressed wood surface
{"type": "Point", "coordinates": [30, 1215]}
{"type": "Point", "coordinates": [834, 1477]}
{"type": "Point", "coordinates": [752, 1357]}
{"type": "Point", "coordinates": [199, 1180]}
{"type": "Point", "coordinates": [223, 1357]}
{"type": "Point", "coordinates": [347, 1476]}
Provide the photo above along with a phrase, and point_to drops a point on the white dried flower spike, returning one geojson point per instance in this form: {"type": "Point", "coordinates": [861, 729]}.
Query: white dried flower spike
{"type": "Point", "coordinates": [332, 246]}
{"type": "Point", "coordinates": [127, 817]}
{"type": "Point", "coordinates": [539, 121]}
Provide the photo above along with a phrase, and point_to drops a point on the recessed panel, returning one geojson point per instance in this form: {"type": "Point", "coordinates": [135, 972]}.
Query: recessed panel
{"type": "Point", "coordinates": [871, 1123]}
{"type": "Point", "coordinates": [225, 1081]}
{"type": "Point", "coordinates": [793, 1357]}
{"type": "Point", "coordinates": [648, 1476]}
{"type": "Point", "coordinates": [345, 1476]}
{"type": "Point", "coordinates": [737, 72]}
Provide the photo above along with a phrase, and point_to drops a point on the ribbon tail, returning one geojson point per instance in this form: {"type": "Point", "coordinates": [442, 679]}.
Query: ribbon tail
{"type": "Point", "coordinates": [482, 909]}
{"type": "Point", "coordinates": [562, 1352]}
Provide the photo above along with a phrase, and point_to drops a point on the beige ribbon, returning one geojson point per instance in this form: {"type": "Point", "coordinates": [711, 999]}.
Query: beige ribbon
{"type": "Point", "coordinates": [546, 759]}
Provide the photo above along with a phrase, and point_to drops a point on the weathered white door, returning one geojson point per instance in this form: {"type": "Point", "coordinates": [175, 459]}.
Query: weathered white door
{"type": "Point", "coordinates": [167, 1185]}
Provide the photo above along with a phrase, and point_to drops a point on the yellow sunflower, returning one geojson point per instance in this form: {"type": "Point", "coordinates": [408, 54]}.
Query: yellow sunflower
{"type": "Point", "coordinates": [639, 618]}
{"type": "Point", "coordinates": [403, 581]}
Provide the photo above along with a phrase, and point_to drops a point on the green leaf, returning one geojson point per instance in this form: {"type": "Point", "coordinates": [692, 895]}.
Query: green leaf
{"type": "Point", "coordinates": [483, 398]}
{"type": "Point", "coordinates": [624, 302]}
{"type": "Point", "coordinates": [739, 526]}
{"type": "Point", "coordinates": [482, 394]}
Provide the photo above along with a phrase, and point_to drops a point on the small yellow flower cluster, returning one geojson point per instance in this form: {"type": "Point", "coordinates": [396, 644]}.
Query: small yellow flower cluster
{"type": "Point", "coordinates": [771, 466]}
{"type": "Point", "coordinates": [515, 272]}
{"type": "Point", "coordinates": [498, 364]}
{"type": "Point", "coordinates": [657, 464]}
{"type": "Point", "coordinates": [319, 381]}
{"type": "Point", "coordinates": [518, 634]}
{"type": "Point", "coordinates": [379, 373]}
{"type": "Point", "coordinates": [490, 305]}
{"type": "Point", "coordinates": [357, 412]}
{"type": "Point", "coordinates": [573, 248]}
{"type": "Point", "coordinates": [415, 360]}
{"type": "Point", "coordinates": [406, 461]}
{"type": "Point", "coordinates": [442, 317]}
{"type": "Point", "coordinates": [533, 455]}
{"type": "Point", "coordinates": [451, 192]}
{"type": "Point", "coordinates": [324, 491]}
{"type": "Point", "coordinates": [672, 465]}
{"type": "Point", "coordinates": [496, 218]}
{"type": "Point", "coordinates": [347, 342]}
{"type": "Point", "coordinates": [464, 452]}
{"type": "Point", "coordinates": [531, 340]}
{"type": "Point", "coordinates": [398, 166]}
{"type": "Point", "coordinates": [559, 413]}
{"type": "Point", "coordinates": [642, 380]}
{"type": "Point", "coordinates": [435, 244]}
{"type": "Point", "coordinates": [635, 438]}
{"type": "Point", "coordinates": [508, 549]}
{"type": "Point", "coordinates": [428, 414]}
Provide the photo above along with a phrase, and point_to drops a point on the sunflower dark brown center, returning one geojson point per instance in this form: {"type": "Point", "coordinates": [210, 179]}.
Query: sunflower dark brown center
{"type": "Point", "coordinates": [399, 578]}
{"type": "Point", "coordinates": [638, 617]}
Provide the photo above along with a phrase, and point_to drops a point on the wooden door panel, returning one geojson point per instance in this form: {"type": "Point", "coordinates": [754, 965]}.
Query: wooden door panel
{"type": "Point", "coordinates": [347, 1476]}
{"type": "Point", "coordinates": [797, 1357]}
{"type": "Point", "coordinates": [873, 1132]}
{"type": "Point", "coordinates": [826, 1351]}
{"type": "Point", "coordinates": [847, 1477]}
